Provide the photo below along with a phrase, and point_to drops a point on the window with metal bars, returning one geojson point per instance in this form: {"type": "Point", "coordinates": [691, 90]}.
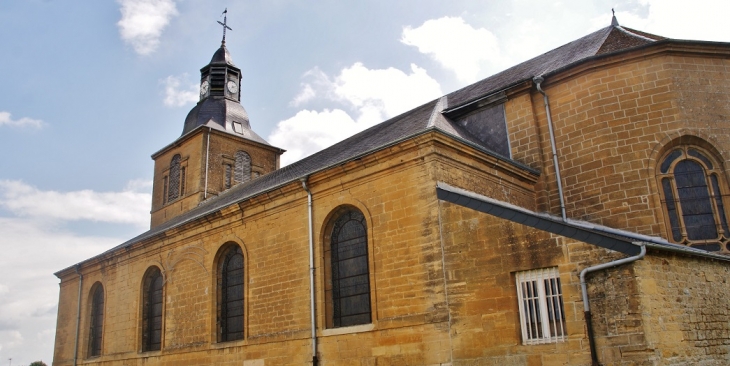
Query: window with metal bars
{"type": "Point", "coordinates": [96, 323]}
{"type": "Point", "coordinates": [152, 310]}
{"type": "Point", "coordinates": [692, 195]}
{"type": "Point", "coordinates": [348, 271]}
{"type": "Point", "coordinates": [230, 294]}
{"type": "Point", "coordinates": [540, 299]}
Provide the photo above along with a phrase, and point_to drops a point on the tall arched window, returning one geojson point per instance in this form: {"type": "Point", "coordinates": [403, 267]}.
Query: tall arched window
{"type": "Point", "coordinates": [243, 167]}
{"type": "Point", "coordinates": [152, 310]}
{"type": "Point", "coordinates": [230, 294]}
{"type": "Point", "coordinates": [173, 191]}
{"type": "Point", "coordinates": [96, 323]}
{"type": "Point", "coordinates": [692, 185]}
{"type": "Point", "coordinates": [348, 298]}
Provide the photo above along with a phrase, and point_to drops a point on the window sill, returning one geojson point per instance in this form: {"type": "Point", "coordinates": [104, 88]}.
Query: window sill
{"type": "Point", "coordinates": [226, 344]}
{"type": "Point", "coordinates": [348, 330]}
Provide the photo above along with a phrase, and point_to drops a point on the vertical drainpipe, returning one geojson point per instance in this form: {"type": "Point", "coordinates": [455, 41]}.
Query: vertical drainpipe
{"type": "Point", "coordinates": [586, 305]}
{"type": "Point", "coordinates": [78, 317]}
{"type": "Point", "coordinates": [538, 80]}
{"type": "Point", "coordinates": [311, 272]}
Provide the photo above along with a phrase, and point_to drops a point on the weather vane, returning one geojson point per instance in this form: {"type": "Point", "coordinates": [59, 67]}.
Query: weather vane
{"type": "Point", "coordinates": [224, 24]}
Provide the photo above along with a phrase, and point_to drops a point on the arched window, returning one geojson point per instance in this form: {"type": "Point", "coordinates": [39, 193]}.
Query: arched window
{"type": "Point", "coordinates": [152, 310]}
{"type": "Point", "coordinates": [230, 294]}
{"type": "Point", "coordinates": [348, 298]}
{"type": "Point", "coordinates": [692, 185]}
{"type": "Point", "coordinates": [96, 323]}
{"type": "Point", "coordinates": [173, 190]}
{"type": "Point", "coordinates": [243, 167]}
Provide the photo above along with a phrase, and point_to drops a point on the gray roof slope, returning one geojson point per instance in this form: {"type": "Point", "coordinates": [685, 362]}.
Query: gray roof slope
{"type": "Point", "coordinates": [418, 120]}
{"type": "Point", "coordinates": [615, 38]}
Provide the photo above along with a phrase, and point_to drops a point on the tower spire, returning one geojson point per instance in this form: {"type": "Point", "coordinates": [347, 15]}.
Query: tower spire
{"type": "Point", "coordinates": [614, 22]}
{"type": "Point", "coordinates": [225, 25]}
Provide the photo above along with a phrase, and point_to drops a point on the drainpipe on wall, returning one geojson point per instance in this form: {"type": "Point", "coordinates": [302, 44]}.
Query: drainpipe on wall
{"type": "Point", "coordinates": [78, 317]}
{"type": "Point", "coordinates": [586, 305]}
{"type": "Point", "coordinates": [311, 272]}
{"type": "Point", "coordinates": [538, 80]}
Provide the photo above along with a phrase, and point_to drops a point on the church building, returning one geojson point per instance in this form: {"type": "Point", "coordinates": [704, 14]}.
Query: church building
{"type": "Point", "coordinates": [570, 210]}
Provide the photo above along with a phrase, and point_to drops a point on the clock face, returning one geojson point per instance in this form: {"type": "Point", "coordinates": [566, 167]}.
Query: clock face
{"type": "Point", "coordinates": [232, 87]}
{"type": "Point", "coordinates": [204, 88]}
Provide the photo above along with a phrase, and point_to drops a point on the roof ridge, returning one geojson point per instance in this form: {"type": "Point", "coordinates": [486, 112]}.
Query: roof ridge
{"type": "Point", "coordinates": [627, 31]}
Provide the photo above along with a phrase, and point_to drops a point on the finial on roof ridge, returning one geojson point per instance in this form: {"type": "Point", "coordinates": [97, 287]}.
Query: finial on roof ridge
{"type": "Point", "coordinates": [225, 26]}
{"type": "Point", "coordinates": [614, 21]}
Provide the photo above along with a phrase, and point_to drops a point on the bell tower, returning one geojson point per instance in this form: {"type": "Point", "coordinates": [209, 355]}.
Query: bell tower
{"type": "Point", "coordinates": [217, 149]}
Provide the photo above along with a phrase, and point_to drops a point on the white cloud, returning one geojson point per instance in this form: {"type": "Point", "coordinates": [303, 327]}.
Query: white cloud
{"type": "Point", "coordinates": [390, 91]}
{"type": "Point", "coordinates": [670, 18]}
{"type": "Point", "coordinates": [125, 207]}
{"type": "Point", "coordinates": [143, 21]}
{"type": "Point", "coordinates": [371, 95]}
{"type": "Point", "coordinates": [304, 96]}
{"type": "Point", "coordinates": [455, 45]}
{"type": "Point", "coordinates": [5, 120]}
{"type": "Point", "coordinates": [310, 131]}
{"type": "Point", "coordinates": [177, 94]}
{"type": "Point", "coordinates": [32, 251]}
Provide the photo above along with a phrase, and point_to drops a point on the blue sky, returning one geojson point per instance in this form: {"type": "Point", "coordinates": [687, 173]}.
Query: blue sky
{"type": "Point", "coordinates": [92, 88]}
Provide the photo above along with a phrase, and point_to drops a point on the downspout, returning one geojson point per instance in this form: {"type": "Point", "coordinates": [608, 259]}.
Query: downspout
{"type": "Point", "coordinates": [207, 152]}
{"type": "Point", "coordinates": [586, 305]}
{"type": "Point", "coordinates": [78, 317]}
{"type": "Point", "coordinates": [538, 80]}
{"type": "Point", "coordinates": [311, 272]}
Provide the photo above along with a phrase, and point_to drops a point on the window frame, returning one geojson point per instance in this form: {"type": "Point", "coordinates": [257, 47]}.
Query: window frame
{"type": "Point", "coordinates": [672, 207]}
{"type": "Point", "coordinates": [152, 275]}
{"type": "Point", "coordinates": [225, 254]}
{"type": "Point", "coordinates": [533, 330]}
{"type": "Point", "coordinates": [96, 321]}
{"type": "Point", "coordinates": [329, 293]}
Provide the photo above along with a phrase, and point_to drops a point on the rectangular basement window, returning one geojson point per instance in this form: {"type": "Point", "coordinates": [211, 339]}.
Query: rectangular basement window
{"type": "Point", "coordinates": [542, 315]}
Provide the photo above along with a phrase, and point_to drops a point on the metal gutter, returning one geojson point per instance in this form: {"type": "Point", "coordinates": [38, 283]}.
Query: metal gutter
{"type": "Point", "coordinates": [311, 272]}
{"type": "Point", "coordinates": [619, 240]}
{"type": "Point", "coordinates": [586, 303]}
{"type": "Point", "coordinates": [538, 80]}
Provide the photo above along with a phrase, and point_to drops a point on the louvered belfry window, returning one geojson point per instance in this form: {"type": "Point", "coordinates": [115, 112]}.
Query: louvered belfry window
{"type": "Point", "coordinates": [692, 197]}
{"type": "Point", "coordinates": [152, 310]}
{"type": "Point", "coordinates": [97, 321]}
{"type": "Point", "coordinates": [350, 274]}
{"type": "Point", "coordinates": [230, 295]}
{"type": "Point", "coordinates": [243, 167]}
{"type": "Point", "coordinates": [173, 190]}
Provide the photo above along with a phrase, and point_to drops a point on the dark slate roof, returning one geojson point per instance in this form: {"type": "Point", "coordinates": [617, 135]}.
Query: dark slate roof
{"type": "Point", "coordinates": [220, 113]}
{"type": "Point", "coordinates": [427, 117]}
{"type": "Point", "coordinates": [609, 39]}
{"type": "Point", "coordinates": [222, 56]}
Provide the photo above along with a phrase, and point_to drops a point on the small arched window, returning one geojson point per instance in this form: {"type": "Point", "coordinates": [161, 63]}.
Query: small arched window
{"type": "Point", "coordinates": [230, 294]}
{"type": "Point", "coordinates": [348, 298]}
{"type": "Point", "coordinates": [243, 167]}
{"type": "Point", "coordinates": [96, 323]}
{"type": "Point", "coordinates": [691, 186]}
{"type": "Point", "coordinates": [152, 310]}
{"type": "Point", "coordinates": [173, 191]}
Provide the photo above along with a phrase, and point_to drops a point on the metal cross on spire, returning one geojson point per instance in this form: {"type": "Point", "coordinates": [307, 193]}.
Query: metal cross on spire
{"type": "Point", "coordinates": [225, 25]}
